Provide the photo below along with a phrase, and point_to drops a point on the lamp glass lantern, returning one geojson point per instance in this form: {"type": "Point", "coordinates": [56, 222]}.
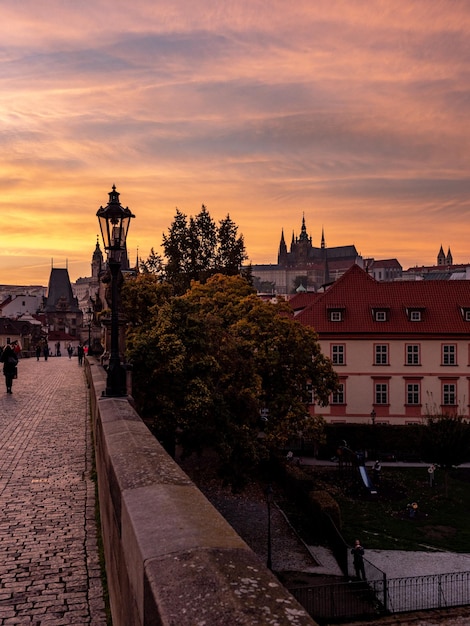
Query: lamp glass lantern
{"type": "Point", "coordinates": [114, 221]}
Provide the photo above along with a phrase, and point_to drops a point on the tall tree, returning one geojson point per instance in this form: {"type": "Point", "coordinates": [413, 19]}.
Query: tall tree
{"type": "Point", "coordinates": [231, 249]}
{"type": "Point", "coordinates": [207, 362]}
{"type": "Point", "coordinates": [177, 247]}
{"type": "Point", "coordinates": [197, 249]}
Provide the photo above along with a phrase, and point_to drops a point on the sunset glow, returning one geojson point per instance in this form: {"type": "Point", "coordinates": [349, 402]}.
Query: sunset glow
{"type": "Point", "coordinates": [352, 112]}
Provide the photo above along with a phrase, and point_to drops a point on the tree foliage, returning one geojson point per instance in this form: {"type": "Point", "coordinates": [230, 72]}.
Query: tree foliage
{"type": "Point", "coordinates": [153, 264]}
{"type": "Point", "coordinates": [207, 362]}
{"type": "Point", "coordinates": [197, 248]}
{"type": "Point", "coordinates": [446, 441]}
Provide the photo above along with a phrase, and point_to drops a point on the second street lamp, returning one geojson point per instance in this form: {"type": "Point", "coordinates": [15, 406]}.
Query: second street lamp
{"type": "Point", "coordinates": [114, 222]}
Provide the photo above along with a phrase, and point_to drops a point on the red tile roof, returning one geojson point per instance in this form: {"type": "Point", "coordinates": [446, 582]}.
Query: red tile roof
{"type": "Point", "coordinates": [440, 302]}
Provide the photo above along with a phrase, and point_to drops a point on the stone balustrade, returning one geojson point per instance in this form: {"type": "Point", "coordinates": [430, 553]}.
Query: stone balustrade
{"type": "Point", "coordinates": [171, 558]}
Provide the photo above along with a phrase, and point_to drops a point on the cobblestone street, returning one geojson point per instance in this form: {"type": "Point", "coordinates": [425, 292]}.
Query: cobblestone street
{"type": "Point", "coordinates": [49, 569]}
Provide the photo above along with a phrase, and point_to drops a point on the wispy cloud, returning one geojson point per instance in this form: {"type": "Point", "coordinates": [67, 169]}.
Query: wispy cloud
{"type": "Point", "coordinates": [350, 111]}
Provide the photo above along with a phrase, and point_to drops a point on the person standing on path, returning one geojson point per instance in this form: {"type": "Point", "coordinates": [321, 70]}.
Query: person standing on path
{"type": "Point", "coordinates": [80, 353]}
{"type": "Point", "coordinates": [358, 560]}
{"type": "Point", "coordinates": [9, 359]}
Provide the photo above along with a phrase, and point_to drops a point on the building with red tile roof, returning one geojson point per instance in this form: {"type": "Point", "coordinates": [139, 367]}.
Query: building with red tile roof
{"type": "Point", "coordinates": [401, 349]}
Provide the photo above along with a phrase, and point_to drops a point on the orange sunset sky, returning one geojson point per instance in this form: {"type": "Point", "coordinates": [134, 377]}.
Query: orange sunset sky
{"type": "Point", "coordinates": [354, 113]}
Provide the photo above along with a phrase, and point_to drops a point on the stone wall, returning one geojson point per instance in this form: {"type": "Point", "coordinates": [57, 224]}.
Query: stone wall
{"type": "Point", "coordinates": [171, 558]}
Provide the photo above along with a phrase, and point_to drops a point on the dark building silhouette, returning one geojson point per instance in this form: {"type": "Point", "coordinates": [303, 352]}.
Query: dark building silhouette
{"type": "Point", "coordinates": [304, 266]}
{"type": "Point", "coordinates": [64, 317]}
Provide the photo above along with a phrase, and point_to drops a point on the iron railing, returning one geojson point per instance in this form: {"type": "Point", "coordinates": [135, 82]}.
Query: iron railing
{"type": "Point", "coordinates": [383, 595]}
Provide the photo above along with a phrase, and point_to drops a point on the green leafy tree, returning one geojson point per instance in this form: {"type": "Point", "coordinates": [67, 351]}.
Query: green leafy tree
{"type": "Point", "coordinates": [446, 442]}
{"type": "Point", "coordinates": [207, 362]}
{"type": "Point", "coordinates": [141, 295]}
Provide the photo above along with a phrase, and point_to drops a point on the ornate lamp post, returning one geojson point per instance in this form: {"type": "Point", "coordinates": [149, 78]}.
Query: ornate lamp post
{"type": "Point", "coordinates": [269, 500]}
{"type": "Point", "coordinates": [114, 221]}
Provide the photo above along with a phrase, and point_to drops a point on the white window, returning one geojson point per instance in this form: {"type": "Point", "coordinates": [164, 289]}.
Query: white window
{"type": "Point", "coordinates": [381, 354]}
{"type": "Point", "coordinates": [380, 316]}
{"type": "Point", "coordinates": [449, 393]}
{"type": "Point", "coordinates": [412, 354]}
{"type": "Point", "coordinates": [381, 393]}
{"type": "Point", "coordinates": [412, 393]}
{"type": "Point", "coordinates": [467, 315]}
{"type": "Point", "coordinates": [415, 316]}
{"type": "Point", "coordinates": [337, 354]}
{"type": "Point", "coordinates": [336, 316]}
{"type": "Point", "coordinates": [449, 354]}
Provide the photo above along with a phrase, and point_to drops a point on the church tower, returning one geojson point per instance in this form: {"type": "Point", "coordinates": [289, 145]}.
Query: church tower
{"type": "Point", "coordinates": [449, 259]}
{"type": "Point", "coordinates": [441, 257]}
{"type": "Point", "coordinates": [96, 261]}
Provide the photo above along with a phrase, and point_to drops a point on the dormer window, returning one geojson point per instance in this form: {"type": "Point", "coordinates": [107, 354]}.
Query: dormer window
{"type": "Point", "coordinates": [335, 313]}
{"type": "Point", "coordinates": [381, 313]}
{"type": "Point", "coordinates": [414, 313]}
{"type": "Point", "coordinates": [465, 310]}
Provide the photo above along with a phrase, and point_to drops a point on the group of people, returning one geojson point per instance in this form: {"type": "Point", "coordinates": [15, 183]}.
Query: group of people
{"type": "Point", "coordinates": [10, 353]}
{"type": "Point", "coordinates": [45, 351]}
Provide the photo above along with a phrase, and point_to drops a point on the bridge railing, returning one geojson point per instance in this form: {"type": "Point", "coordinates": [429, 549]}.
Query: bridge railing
{"type": "Point", "coordinates": [171, 558]}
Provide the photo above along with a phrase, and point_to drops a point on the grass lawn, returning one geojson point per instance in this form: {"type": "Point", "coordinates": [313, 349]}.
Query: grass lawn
{"type": "Point", "coordinates": [382, 521]}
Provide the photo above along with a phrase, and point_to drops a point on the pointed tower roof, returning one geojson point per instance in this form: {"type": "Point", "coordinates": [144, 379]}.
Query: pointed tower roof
{"type": "Point", "coordinates": [60, 290]}
{"type": "Point", "coordinates": [303, 230]}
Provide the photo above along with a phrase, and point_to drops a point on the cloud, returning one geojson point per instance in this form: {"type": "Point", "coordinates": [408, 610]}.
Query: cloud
{"type": "Point", "coordinates": [355, 112]}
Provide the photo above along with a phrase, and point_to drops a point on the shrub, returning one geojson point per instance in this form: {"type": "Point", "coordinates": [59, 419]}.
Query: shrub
{"type": "Point", "coordinates": [323, 502]}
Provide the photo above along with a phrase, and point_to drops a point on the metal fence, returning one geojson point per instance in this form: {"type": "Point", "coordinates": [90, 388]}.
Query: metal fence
{"type": "Point", "coordinates": [360, 599]}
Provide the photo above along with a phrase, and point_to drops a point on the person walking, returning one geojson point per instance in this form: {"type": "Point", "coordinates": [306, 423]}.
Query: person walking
{"type": "Point", "coordinates": [69, 350]}
{"type": "Point", "coordinates": [38, 351]}
{"type": "Point", "coordinates": [45, 351]}
{"type": "Point", "coordinates": [80, 353]}
{"type": "Point", "coordinates": [9, 359]}
{"type": "Point", "coordinates": [358, 560]}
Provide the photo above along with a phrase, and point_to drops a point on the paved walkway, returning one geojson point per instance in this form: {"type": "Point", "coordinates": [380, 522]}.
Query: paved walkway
{"type": "Point", "coordinates": [49, 570]}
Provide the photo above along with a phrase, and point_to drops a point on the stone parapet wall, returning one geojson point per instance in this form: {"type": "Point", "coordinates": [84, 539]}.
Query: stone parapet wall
{"type": "Point", "coordinates": [171, 558]}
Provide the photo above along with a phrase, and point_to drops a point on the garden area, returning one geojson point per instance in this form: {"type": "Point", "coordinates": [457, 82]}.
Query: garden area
{"type": "Point", "coordinates": [407, 513]}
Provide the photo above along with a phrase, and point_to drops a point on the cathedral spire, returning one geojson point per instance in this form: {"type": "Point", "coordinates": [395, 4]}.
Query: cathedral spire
{"type": "Point", "coordinates": [282, 255]}
{"type": "Point", "coordinates": [303, 230]}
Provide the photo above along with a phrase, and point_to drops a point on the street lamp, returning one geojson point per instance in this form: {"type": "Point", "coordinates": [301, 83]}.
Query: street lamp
{"type": "Point", "coordinates": [269, 500]}
{"type": "Point", "coordinates": [114, 221]}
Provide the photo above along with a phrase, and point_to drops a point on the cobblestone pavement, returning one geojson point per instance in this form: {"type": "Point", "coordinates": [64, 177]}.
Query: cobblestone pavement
{"type": "Point", "coordinates": [49, 569]}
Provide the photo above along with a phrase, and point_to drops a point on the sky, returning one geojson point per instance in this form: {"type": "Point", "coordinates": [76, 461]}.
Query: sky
{"type": "Point", "coordinates": [352, 113]}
